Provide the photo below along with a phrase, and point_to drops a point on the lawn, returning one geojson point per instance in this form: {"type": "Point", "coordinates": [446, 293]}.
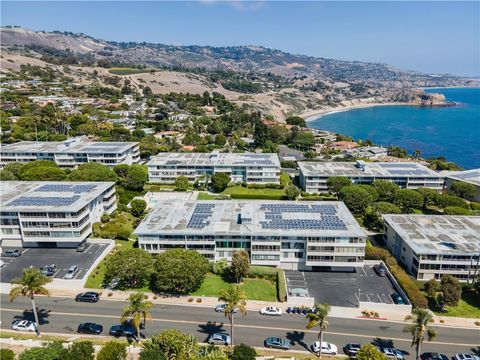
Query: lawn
{"type": "Point", "coordinates": [255, 289]}
{"type": "Point", "coordinates": [208, 196]}
{"type": "Point", "coordinates": [469, 306]}
{"type": "Point", "coordinates": [127, 71]}
{"type": "Point", "coordinates": [240, 192]}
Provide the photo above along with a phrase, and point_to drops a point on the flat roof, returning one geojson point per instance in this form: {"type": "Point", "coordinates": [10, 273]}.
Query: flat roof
{"type": "Point", "coordinates": [49, 196]}
{"type": "Point", "coordinates": [469, 176]}
{"type": "Point", "coordinates": [438, 234]}
{"type": "Point", "coordinates": [214, 159]}
{"type": "Point", "coordinates": [254, 217]}
{"type": "Point", "coordinates": [66, 147]}
{"type": "Point", "coordinates": [378, 169]}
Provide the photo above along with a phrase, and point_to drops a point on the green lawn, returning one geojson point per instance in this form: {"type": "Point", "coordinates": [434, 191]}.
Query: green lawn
{"type": "Point", "coordinates": [240, 192]}
{"type": "Point", "coordinates": [255, 289]}
{"type": "Point", "coordinates": [469, 306]}
{"type": "Point", "coordinates": [207, 196]}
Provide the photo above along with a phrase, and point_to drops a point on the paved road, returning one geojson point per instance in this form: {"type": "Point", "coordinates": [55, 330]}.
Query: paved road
{"type": "Point", "coordinates": [62, 315]}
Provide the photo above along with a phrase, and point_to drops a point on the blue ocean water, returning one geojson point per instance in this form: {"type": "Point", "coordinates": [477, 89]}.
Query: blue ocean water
{"type": "Point", "coordinates": [453, 132]}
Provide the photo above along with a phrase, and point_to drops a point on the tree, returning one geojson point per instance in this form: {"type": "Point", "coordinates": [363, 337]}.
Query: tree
{"type": "Point", "coordinates": [451, 290]}
{"type": "Point", "coordinates": [6, 175]}
{"type": "Point", "coordinates": [137, 309]}
{"type": "Point", "coordinates": [285, 179]}
{"type": "Point", "coordinates": [386, 190]}
{"type": "Point", "coordinates": [220, 181]}
{"type": "Point", "coordinates": [179, 271]}
{"type": "Point", "coordinates": [408, 199]}
{"type": "Point", "coordinates": [7, 354]}
{"type": "Point", "coordinates": [133, 267]}
{"type": "Point", "coordinates": [32, 282]}
{"type": "Point", "coordinates": [429, 196]}
{"type": "Point", "coordinates": [51, 351]}
{"type": "Point", "coordinates": [421, 319]}
{"type": "Point", "coordinates": [121, 170]}
{"type": "Point", "coordinates": [113, 350]}
{"type": "Point", "coordinates": [463, 189]}
{"type": "Point", "coordinates": [337, 183]}
{"type": "Point", "coordinates": [318, 317]}
{"type": "Point", "coordinates": [240, 266]}
{"type": "Point", "coordinates": [356, 198]}
{"type": "Point", "coordinates": [136, 178]}
{"type": "Point", "coordinates": [445, 200]}
{"type": "Point", "coordinates": [456, 210]}
{"type": "Point", "coordinates": [303, 140]}
{"type": "Point", "coordinates": [296, 120]}
{"type": "Point", "coordinates": [138, 207]}
{"type": "Point", "coordinates": [431, 288]}
{"type": "Point", "coordinates": [220, 140]}
{"type": "Point", "coordinates": [370, 352]}
{"type": "Point", "coordinates": [44, 174]}
{"type": "Point", "coordinates": [92, 172]}
{"type": "Point", "coordinates": [234, 298]}
{"type": "Point", "coordinates": [81, 350]}
{"type": "Point", "coordinates": [181, 183]}
{"type": "Point", "coordinates": [14, 168]}
{"type": "Point", "coordinates": [292, 192]}
{"type": "Point", "coordinates": [243, 352]}
{"type": "Point", "coordinates": [34, 164]}
{"type": "Point", "coordinates": [171, 344]}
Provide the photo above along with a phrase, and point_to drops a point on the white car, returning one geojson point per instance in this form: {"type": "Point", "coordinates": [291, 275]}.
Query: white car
{"type": "Point", "coordinates": [219, 338]}
{"type": "Point", "coordinates": [466, 357]}
{"type": "Point", "coordinates": [271, 310]}
{"type": "Point", "coordinates": [24, 325]}
{"type": "Point", "coordinates": [393, 353]}
{"type": "Point", "coordinates": [327, 348]}
{"type": "Point", "coordinates": [221, 308]}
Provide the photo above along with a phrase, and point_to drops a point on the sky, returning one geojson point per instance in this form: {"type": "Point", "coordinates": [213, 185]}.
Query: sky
{"type": "Point", "coordinates": [429, 36]}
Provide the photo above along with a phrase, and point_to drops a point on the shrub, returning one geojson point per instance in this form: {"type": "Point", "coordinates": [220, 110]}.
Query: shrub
{"type": "Point", "coordinates": [199, 300]}
{"type": "Point", "coordinates": [190, 300]}
{"type": "Point", "coordinates": [243, 352]}
{"type": "Point", "coordinates": [7, 354]}
{"type": "Point", "coordinates": [258, 196]}
{"type": "Point", "coordinates": [281, 286]}
{"type": "Point", "coordinates": [113, 350]}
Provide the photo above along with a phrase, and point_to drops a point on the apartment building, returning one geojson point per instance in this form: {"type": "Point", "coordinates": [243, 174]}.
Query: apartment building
{"type": "Point", "coordinates": [468, 176]}
{"type": "Point", "coordinates": [434, 245]}
{"type": "Point", "coordinates": [410, 175]}
{"type": "Point", "coordinates": [71, 153]}
{"type": "Point", "coordinates": [284, 234]}
{"type": "Point", "coordinates": [52, 214]}
{"type": "Point", "coordinates": [249, 167]}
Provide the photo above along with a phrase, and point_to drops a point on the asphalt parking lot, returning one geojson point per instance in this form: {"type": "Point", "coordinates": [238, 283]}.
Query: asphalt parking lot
{"type": "Point", "coordinates": [40, 257]}
{"type": "Point", "coordinates": [343, 288]}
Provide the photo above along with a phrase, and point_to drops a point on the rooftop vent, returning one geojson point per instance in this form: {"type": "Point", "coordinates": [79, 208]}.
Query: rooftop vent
{"type": "Point", "coordinates": [361, 164]}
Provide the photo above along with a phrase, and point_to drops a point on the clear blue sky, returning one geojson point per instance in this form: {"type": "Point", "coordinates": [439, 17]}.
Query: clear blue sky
{"type": "Point", "coordinates": [426, 36]}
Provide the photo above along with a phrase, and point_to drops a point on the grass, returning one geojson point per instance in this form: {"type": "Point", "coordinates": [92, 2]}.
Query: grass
{"type": "Point", "coordinates": [469, 306]}
{"type": "Point", "coordinates": [163, 187]}
{"type": "Point", "coordinates": [241, 192]}
{"type": "Point", "coordinates": [63, 338]}
{"type": "Point", "coordinates": [207, 196]}
{"type": "Point", "coordinates": [255, 289]}
{"type": "Point", "coordinates": [127, 71]}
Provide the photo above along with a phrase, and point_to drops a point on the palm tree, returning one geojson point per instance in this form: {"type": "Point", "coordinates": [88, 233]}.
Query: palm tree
{"type": "Point", "coordinates": [137, 309]}
{"type": "Point", "coordinates": [417, 153]}
{"type": "Point", "coordinates": [421, 318]}
{"type": "Point", "coordinates": [234, 298]}
{"type": "Point", "coordinates": [319, 317]}
{"type": "Point", "coordinates": [32, 282]}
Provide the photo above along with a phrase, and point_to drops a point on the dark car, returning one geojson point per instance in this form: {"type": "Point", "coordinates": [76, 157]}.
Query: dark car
{"type": "Point", "coordinates": [90, 296]}
{"type": "Point", "coordinates": [90, 328]}
{"type": "Point", "coordinates": [433, 356]}
{"type": "Point", "coordinates": [351, 349]}
{"type": "Point", "coordinates": [397, 299]}
{"type": "Point", "coordinates": [277, 343]}
{"type": "Point", "coordinates": [380, 270]}
{"type": "Point", "coordinates": [122, 330]}
{"type": "Point", "coordinates": [48, 270]}
{"type": "Point", "coordinates": [12, 253]}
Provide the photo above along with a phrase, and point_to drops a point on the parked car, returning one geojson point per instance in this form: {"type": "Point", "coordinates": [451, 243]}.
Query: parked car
{"type": "Point", "coordinates": [125, 329]}
{"type": "Point", "coordinates": [71, 272]}
{"type": "Point", "coordinates": [11, 253]}
{"type": "Point", "coordinates": [327, 348]}
{"type": "Point", "coordinates": [89, 296]}
{"type": "Point", "coordinates": [466, 357]}
{"type": "Point", "coordinates": [221, 308]}
{"type": "Point", "coordinates": [351, 349]}
{"type": "Point", "coordinates": [82, 247]}
{"type": "Point", "coordinates": [49, 270]}
{"type": "Point", "coordinates": [433, 356]}
{"type": "Point", "coordinates": [219, 338]}
{"type": "Point", "coordinates": [397, 299]}
{"type": "Point", "coordinates": [393, 353]}
{"type": "Point", "coordinates": [380, 270]}
{"type": "Point", "coordinates": [24, 325]}
{"type": "Point", "coordinates": [90, 328]}
{"type": "Point", "coordinates": [271, 310]}
{"type": "Point", "coordinates": [277, 343]}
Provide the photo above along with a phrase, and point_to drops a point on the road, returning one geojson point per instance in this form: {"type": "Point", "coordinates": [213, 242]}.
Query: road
{"type": "Point", "coordinates": [62, 315]}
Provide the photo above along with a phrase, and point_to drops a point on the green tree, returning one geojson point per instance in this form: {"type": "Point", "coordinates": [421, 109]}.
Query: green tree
{"type": "Point", "coordinates": [31, 283]}
{"type": "Point", "coordinates": [179, 271]}
{"type": "Point", "coordinates": [456, 210]}
{"type": "Point", "coordinates": [220, 266]}
{"type": "Point", "coordinates": [220, 181]}
{"type": "Point", "coordinates": [81, 350]}
{"type": "Point", "coordinates": [337, 183]}
{"type": "Point", "coordinates": [133, 267]}
{"type": "Point", "coordinates": [296, 120]}
{"type": "Point", "coordinates": [445, 200]}
{"type": "Point", "coordinates": [373, 215]}
{"type": "Point", "coordinates": [113, 350]}
{"type": "Point", "coordinates": [92, 172]}
{"type": "Point", "coordinates": [137, 177]}
{"type": "Point", "coordinates": [370, 352]}
{"type": "Point", "coordinates": [431, 288]}
{"type": "Point", "coordinates": [386, 190]}
{"type": "Point", "coordinates": [7, 354]}
{"type": "Point", "coordinates": [34, 164]}
{"type": "Point", "coordinates": [220, 140]}
{"type": "Point", "coordinates": [44, 174]}
{"type": "Point", "coordinates": [318, 317]}
{"type": "Point", "coordinates": [408, 200]}
{"type": "Point", "coordinates": [121, 170]}
{"type": "Point", "coordinates": [285, 179]}
{"type": "Point", "coordinates": [6, 175]}
{"type": "Point", "coordinates": [14, 168]}
{"type": "Point", "coordinates": [303, 140]}
{"type": "Point", "coordinates": [171, 344]}
{"type": "Point", "coordinates": [419, 329]}
{"type": "Point", "coordinates": [429, 196]}
{"type": "Point", "coordinates": [137, 309]}
{"type": "Point", "coordinates": [240, 266]}
{"type": "Point", "coordinates": [181, 183]}
{"type": "Point", "coordinates": [138, 207]}
{"type": "Point", "coordinates": [292, 192]}
{"type": "Point", "coordinates": [235, 300]}
{"type": "Point", "coordinates": [463, 189]}
{"type": "Point", "coordinates": [51, 351]}
{"type": "Point", "coordinates": [451, 290]}
{"type": "Point", "coordinates": [310, 155]}
{"type": "Point", "coordinates": [356, 198]}
{"type": "Point", "coordinates": [243, 352]}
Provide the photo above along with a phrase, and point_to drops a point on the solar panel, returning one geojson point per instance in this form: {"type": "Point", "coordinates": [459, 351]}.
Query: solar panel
{"type": "Point", "coordinates": [77, 189]}
{"type": "Point", "coordinates": [44, 201]}
{"type": "Point", "coordinates": [199, 217]}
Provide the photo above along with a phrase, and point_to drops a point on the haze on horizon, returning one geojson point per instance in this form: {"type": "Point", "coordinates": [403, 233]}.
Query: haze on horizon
{"type": "Point", "coordinates": [430, 37]}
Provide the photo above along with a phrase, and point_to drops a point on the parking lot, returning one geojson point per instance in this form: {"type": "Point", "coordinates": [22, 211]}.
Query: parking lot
{"type": "Point", "coordinates": [342, 288]}
{"type": "Point", "coordinates": [40, 257]}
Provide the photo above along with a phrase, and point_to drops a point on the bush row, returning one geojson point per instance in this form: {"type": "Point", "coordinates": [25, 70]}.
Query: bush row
{"type": "Point", "coordinates": [258, 196]}
{"type": "Point", "coordinates": [281, 286]}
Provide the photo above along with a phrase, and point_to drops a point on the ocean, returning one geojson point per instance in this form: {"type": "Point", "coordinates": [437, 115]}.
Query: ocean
{"type": "Point", "coordinates": [452, 132]}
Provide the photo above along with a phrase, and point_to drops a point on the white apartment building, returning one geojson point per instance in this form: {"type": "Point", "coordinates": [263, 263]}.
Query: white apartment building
{"type": "Point", "coordinates": [434, 245]}
{"type": "Point", "coordinates": [285, 234]}
{"type": "Point", "coordinates": [52, 214]}
{"type": "Point", "coordinates": [467, 176]}
{"type": "Point", "coordinates": [249, 167]}
{"type": "Point", "coordinates": [410, 175]}
{"type": "Point", "coordinates": [71, 153]}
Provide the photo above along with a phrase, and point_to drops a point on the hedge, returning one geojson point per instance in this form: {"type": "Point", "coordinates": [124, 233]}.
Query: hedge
{"type": "Point", "coordinates": [281, 286]}
{"type": "Point", "coordinates": [258, 196]}
{"type": "Point", "coordinates": [408, 284]}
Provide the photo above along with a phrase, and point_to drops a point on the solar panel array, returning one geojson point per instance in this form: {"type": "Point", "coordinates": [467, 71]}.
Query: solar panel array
{"type": "Point", "coordinates": [409, 172]}
{"type": "Point", "coordinates": [397, 165]}
{"type": "Point", "coordinates": [77, 189]}
{"type": "Point", "coordinates": [199, 217]}
{"type": "Point", "coordinates": [44, 201]}
{"type": "Point", "coordinates": [274, 217]}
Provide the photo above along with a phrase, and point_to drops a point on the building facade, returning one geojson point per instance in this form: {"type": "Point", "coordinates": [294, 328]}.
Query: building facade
{"type": "Point", "coordinates": [468, 176]}
{"type": "Point", "coordinates": [71, 153]}
{"type": "Point", "coordinates": [430, 246]}
{"type": "Point", "coordinates": [284, 234]}
{"type": "Point", "coordinates": [52, 214]}
{"type": "Point", "coordinates": [248, 167]}
{"type": "Point", "coordinates": [410, 175]}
